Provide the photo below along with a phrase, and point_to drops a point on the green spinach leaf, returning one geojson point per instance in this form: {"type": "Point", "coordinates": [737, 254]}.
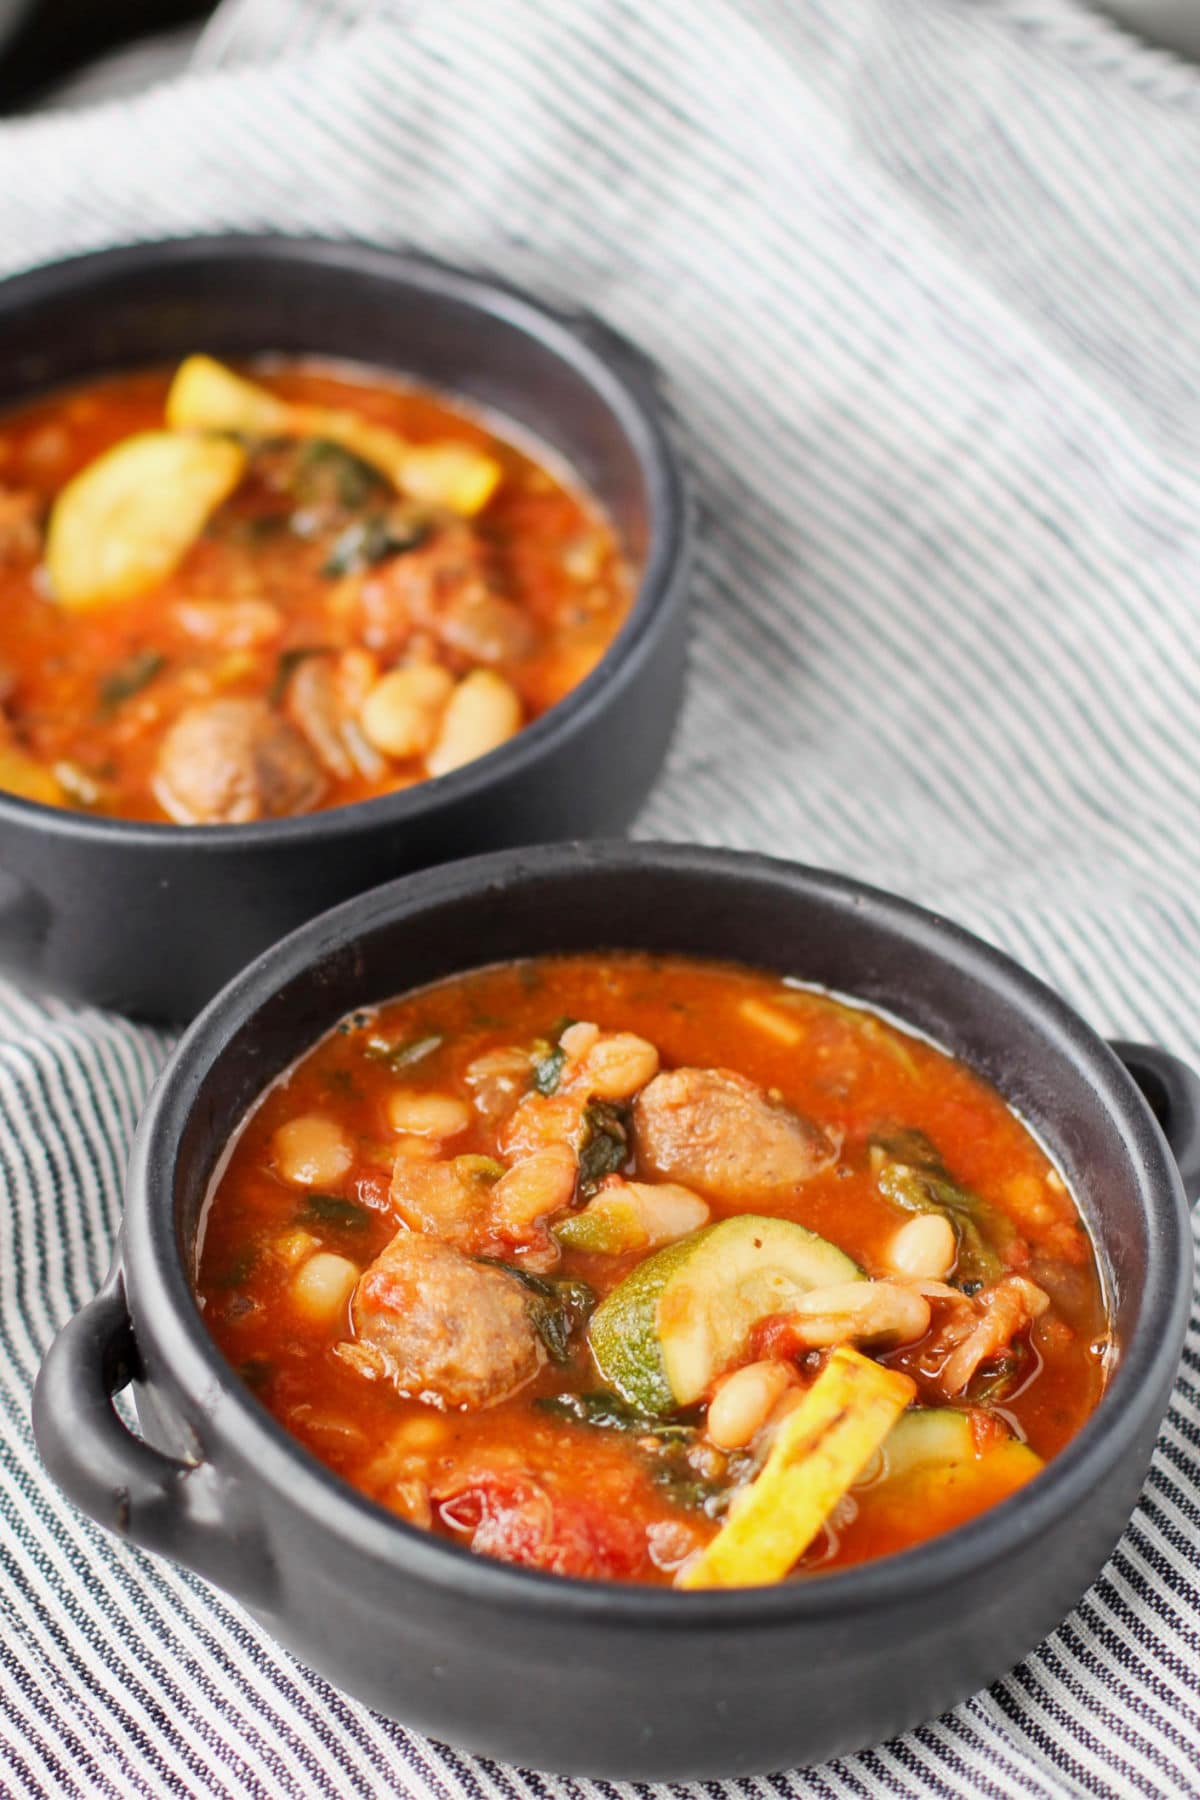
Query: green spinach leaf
{"type": "Point", "coordinates": [331, 1209]}
{"type": "Point", "coordinates": [605, 1147]}
{"type": "Point", "coordinates": [608, 1412]}
{"type": "Point", "coordinates": [547, 1070]}
{"type": "Point", "coordinates": [404, 1053]}
{"type": "Point", "coordinates": [549, 1058]}
{"type": "Point", "coordinates": [687, 1488]}
{"type": "Point", "coordinates": [326, 470]}
{"type": "Point", "coordinates": [557, 1306]}
{"type": "Point", "coordinates": [372, 540]}
{"type": "Point", "coordinates": [129, 678]}
{"type": "Point", "coordinates": [913, 1176]}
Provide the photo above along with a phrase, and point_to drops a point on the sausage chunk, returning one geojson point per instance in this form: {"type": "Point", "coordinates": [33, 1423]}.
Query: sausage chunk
{"type": "Point", "coordinates": [440, 1327]}
{"type": "Point", "coordinates": [711, 1129]}
{"type": "Point", "coordinates": [447, 569]}
{"type": "Point", "coordinates": [230, 761]}
{"type": "Point", "coordinates": [485, 628]}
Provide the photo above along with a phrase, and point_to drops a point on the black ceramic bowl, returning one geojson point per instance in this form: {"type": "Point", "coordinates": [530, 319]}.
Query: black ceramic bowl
{"type": "Point", "coordinates": [566, 1674]}
{"type": "Point", "coordinates": [151, 919]}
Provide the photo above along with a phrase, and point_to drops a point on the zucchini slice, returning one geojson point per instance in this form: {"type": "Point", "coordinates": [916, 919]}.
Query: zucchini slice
{"type": "Point", "coordinates": [935, 1444]}
{"type": "Point", "coordinates": [609, 1225]}
{"type": "Point", "coordinates": [817, 1453]}
{"type": "Point", "coordinates": [129, 518]}
{"type": "Point", "coordinates": [684, 1314]}
{"type": "Point", "coordinates": [28, 779]}
{"type": "Point", "coordinates": [459, 476]}
{"type": "Point", "coordinates": [206, 396]}
{"type": "Point", "coordinates": [928, 1437]}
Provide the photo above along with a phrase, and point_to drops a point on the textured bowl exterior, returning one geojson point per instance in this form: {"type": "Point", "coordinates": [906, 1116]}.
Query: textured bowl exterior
{"type": "Point", "coordinates": [152, 919]}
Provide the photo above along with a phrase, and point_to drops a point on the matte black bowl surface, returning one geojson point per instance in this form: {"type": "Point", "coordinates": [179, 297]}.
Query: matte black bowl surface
{"type": "Point", "coordinates": [151, 919]}
{"type": "Point", "coordinates": [591, 1677]}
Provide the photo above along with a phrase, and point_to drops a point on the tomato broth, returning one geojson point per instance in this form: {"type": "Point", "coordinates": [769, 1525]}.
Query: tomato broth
{"type": "Point", "coordinates": [472, 1125]}
{"type": "Point", "coordinates": [234, 595]}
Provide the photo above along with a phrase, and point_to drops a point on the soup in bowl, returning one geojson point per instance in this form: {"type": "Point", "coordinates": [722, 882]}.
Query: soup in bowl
{"type": "Point", "coordinates": [507, 1522]}
{"type": "Point", "coordinates": [237, 596]}
{"type": "Point", "coordinates": [654, 1269]}
{"type": "Point", "coordinates": [281, 631]}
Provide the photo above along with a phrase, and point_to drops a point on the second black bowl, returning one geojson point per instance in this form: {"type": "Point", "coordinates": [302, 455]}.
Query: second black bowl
{"type": "Point", "coordinates": [152, 919]}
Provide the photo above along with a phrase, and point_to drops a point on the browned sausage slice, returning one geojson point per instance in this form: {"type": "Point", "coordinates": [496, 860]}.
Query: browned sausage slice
{"type": "Point", "coordinates": [447, 568]}
{"type": "Point", "coordinates": [440, 1327]}
{"type": "Point", "coordinates": [712, 1129]}
{"type": "Point", "coordinates": [231, 761]}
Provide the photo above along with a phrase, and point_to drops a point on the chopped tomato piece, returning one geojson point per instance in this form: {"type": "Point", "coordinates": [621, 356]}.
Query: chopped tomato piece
{"type": "Point", "coordinates": [519, 1521]}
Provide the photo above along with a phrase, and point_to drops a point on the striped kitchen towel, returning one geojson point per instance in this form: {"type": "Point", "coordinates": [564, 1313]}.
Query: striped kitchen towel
{"type": "Point", "coordinates": [924, 279]}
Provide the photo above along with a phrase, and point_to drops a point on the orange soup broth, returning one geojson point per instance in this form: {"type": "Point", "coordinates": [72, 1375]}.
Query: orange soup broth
{"type": "Point", "coordinates": [59, 657]}
{"type": "Point", "coordinates": [847, 1070]}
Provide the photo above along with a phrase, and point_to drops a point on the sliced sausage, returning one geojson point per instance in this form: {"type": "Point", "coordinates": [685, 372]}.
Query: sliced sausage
{"type": "Point", "coordinates": [712, 1129]}
{"type": "Point", "coordinates": [440, 1199]}
{"type": "Point", "coordinates": [231, 761]}
{"type": "Point", "coordinates": [413, 590]}
{"type": "Point", "coordinates": [485, 628]}
{"type": "Point", "coordinates": [441, 1328]}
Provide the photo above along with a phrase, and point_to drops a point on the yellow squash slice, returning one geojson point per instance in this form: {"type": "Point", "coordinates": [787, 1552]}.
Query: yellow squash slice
{"type": "Point", "coordinates": [206, 396]}
{"type": "Point", "coordinates": [455, 475]}
{"type": "Point", "coordinates": [129, 518]}
{"type": "Point", "coordinates": [818, 1452]}
{"type": "Point", "coordinates": [25, 777]}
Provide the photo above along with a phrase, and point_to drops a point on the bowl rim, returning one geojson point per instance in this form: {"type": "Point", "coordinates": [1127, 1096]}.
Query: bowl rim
{"type": "Point", "coordinates": [616, 369]}
{"type": "Point", "coordinates": [154, 1265]}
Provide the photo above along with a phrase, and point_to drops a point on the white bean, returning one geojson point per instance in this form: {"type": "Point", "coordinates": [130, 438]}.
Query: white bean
{"type": "Point", "coordinates": [578, 1039]}
{"type": "Point", "coordinates": [414, 1148]}
{"type": "Point", "coordinates": [497, 1078]}
{"type": "Point", "coordinates": [483, 712]}
{"type": "Point", "coordinates": [230, 624]}
{"type": "Point", "coordinates": [294, 1246]}
{"type": "Point", "coordinates": [859, 1311]}
{"type": "Point", "coordinates": [427, 1115]}
{"type": "Point", "coordinates": [616, 1067]}
{"type": "Point", "coordinates": [312, 1151]}
{"type": "Point", "coordinates": [425, 1431]}
{"type": "Point", "coordinates": [534, 1187]}
{"type": "Point", "coordinates": [322, 1285]}
{"type": "Point", "coordinates": [400, 715]}
{"type": "Point", "coordinates": [924, 1248]}
{"type": "Point", "coordinates": [665, 1210]}
{"type": "Point", "coordinates": [744, 1402]}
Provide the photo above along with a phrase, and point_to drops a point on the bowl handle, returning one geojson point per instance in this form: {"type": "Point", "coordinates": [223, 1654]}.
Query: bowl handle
{"type": "Point", "coordinates": [185, 1510]}
{"type": "Point", "coordinates": [1172, 1091]}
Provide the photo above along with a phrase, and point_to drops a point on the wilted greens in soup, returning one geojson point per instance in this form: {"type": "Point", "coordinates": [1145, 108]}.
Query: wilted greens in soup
{"type": "Point", "coordinates": [654, 1270]}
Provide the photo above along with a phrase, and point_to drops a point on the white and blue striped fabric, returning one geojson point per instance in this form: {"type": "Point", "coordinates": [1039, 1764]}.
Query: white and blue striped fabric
{"type": "Point", "coordinates": [924, 279]}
